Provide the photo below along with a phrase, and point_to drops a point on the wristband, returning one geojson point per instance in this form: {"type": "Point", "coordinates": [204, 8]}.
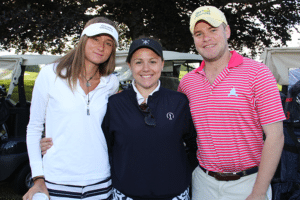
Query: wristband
{"type": "Point", "coordinates": [39, 177]}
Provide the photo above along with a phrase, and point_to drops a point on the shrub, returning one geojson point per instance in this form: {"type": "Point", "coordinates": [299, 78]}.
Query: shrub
{"type": "Point", "coordinates": [32, 68]}
{"type": "Point", "coordinates": [29, 80]}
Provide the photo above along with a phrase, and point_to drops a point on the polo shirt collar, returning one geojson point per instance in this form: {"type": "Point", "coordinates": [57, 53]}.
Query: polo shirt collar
{"type": "Point", "coordinates": [139, 97]}
{"type": "Point", "coordinates": [104, 80]}
{"type": "Point", "coordinates": [235, 60]}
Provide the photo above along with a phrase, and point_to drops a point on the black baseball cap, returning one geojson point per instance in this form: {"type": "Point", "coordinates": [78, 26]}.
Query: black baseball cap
{"type": "Point", "coordinates": [145, 43]}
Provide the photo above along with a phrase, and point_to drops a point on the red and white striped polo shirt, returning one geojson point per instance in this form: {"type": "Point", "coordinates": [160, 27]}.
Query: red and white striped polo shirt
{"type": "Point", "coordinates": [228, 115]}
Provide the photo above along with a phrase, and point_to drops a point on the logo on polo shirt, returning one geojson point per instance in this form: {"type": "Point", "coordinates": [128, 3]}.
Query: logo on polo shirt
{"type": "Point", "coordinates": [233, 92]}
{"type": "Point", "coordinates": [170, 115]}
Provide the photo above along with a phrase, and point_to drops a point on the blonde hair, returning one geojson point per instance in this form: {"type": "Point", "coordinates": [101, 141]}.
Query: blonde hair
{"type": "Point", "coordinates": [74, 61]}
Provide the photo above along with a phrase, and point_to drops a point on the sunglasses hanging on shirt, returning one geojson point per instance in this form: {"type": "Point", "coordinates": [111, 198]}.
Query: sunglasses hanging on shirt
{"type": "Point", "coordinates": [149, 118]}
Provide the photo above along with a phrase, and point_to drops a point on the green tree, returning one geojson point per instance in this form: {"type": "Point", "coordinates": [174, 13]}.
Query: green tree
{"type": "Point", "coordinates": [48, 24]}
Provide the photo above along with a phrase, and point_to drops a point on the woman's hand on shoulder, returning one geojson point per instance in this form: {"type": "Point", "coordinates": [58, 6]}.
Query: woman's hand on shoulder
{"type": "Point", "coordinates": [39, 186]}
{"type": "Point", "coordinates": [46, 143]}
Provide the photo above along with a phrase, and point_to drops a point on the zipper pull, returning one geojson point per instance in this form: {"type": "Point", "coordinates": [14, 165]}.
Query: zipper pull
{"type": "Point", "coordinates": [88, 108]}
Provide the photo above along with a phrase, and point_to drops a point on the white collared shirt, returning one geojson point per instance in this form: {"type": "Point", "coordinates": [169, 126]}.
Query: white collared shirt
{"type": "Point", "coordinates": [139, 97]}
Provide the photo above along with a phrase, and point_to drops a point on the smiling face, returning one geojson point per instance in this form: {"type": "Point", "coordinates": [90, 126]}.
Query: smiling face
{"type": "Point", "coordinates": [98, 49]}
{"type": "Point", "coordinates": [211, 42]}
{"type": "Point", "coordinates": [146, 67]}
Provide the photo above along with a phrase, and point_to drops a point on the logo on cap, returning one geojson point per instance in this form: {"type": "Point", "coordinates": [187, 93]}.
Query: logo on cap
{"type": "Point", "coordinates": [106, 27]}
{"type": "Point", "coordinates": [202, 12]}
{"type": "Point", "coordinates": [146, 42]}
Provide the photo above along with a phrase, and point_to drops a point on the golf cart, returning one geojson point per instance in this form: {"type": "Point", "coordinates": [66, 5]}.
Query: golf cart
{"type": "Point", "coordinates": [14, 162]}
{"type": "Point", "coordinates": [170, 74]}
{"type": "Point", "coordinates": [284, 63]}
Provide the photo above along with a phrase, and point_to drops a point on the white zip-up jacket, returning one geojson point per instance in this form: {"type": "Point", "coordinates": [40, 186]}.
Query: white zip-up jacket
{"type": "Point", "coordinates": [79, 151]}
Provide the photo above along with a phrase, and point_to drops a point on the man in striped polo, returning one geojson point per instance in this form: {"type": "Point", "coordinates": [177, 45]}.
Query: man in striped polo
{"type": "Point", "coordinates": [233, 100]}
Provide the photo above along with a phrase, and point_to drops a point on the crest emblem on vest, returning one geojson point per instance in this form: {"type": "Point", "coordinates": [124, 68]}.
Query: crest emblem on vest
{"type": "Point", "coordinates": [146, 42]}
{"type": "Point", "coordinates": [170, 115]}
{"type": "Point", "coordinates": [233, 92]}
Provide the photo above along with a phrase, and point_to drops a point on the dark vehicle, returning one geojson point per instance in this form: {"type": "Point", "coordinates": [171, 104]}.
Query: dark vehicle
{"type": "Point", "coordinates": [14, 117]}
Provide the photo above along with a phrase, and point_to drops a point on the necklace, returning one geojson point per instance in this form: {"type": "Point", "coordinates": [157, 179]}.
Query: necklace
{"type": "Point", "coordinates": [87, 80]}
{"type": "Point", "coordinates": [88, 85]}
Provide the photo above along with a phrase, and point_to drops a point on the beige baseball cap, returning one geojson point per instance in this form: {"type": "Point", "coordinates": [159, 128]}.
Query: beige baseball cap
{"type": "Point", "coordinates": [210, 14]}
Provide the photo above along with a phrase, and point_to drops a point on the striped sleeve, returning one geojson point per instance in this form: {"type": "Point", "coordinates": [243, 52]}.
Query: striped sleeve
{"type": "Point", "coordinates": [267, 97]}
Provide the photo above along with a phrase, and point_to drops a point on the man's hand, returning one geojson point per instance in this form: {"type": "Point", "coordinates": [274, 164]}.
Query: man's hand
{"type": "Point", "coordinates": [46, 143]}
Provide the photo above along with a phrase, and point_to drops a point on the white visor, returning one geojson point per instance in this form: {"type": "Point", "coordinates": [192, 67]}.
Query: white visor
{"type": "Point", "coordinates": [101, 28]}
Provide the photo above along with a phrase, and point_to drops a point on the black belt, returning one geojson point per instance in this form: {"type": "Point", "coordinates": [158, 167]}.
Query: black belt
{"type": "Point", "coordinates": [230, 176]}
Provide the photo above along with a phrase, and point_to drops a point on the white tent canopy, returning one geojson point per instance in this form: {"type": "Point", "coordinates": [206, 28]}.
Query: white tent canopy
{"type": "Point", "coordinates": [280, 61]}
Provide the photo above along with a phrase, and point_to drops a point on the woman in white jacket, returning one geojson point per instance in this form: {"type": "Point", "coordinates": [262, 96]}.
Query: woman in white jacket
{"type": "Point", "coordinates": [70, 98]}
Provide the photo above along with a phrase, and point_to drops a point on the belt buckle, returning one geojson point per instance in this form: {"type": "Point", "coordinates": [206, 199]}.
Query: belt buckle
{"type": "Point", "coordinates": [226, 176]}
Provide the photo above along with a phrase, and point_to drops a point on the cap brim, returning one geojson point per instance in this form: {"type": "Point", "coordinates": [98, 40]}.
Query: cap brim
{"type": "Point", "coordinates": [211, 21]}
{"type": "Point", "coordinates": [148, 47]}
{"type": "Point", "coordinates": [144, 43]}
{"type": "Point", "coordinates": [99, 29]}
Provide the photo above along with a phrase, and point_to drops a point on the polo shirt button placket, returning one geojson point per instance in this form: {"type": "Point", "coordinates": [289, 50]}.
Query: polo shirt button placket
{"type": "Point", "coordinates": [211, 89]}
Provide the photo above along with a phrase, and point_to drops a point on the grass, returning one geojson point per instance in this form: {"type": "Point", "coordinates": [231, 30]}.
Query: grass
{"type": "Point", "coordinates": [279, 87]}
{"type": "Point", "coordinates": [182, 73]}
{"type": "Point", "coordinates": [29, 79]}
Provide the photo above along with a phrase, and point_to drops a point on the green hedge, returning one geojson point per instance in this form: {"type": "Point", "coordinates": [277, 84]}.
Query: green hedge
{"type": "Point", "coordinates": [182, 73]}
{"type": "Point", "coordinates": [32, 68]}
{"type": "Point", "coordinates": [29, 80]}
{"type": "Point", "coordinates": [28, 86]}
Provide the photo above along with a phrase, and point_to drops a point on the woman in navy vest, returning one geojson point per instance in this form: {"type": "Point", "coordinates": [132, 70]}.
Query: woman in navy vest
{"type": "Point", "coordinates": [148, 129]}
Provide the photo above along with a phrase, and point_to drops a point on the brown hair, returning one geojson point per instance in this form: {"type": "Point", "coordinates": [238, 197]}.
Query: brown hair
{"type": "Point", "coordinates": [74, 61]}
{"type": "Point", "coordinates": [224, 25]}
